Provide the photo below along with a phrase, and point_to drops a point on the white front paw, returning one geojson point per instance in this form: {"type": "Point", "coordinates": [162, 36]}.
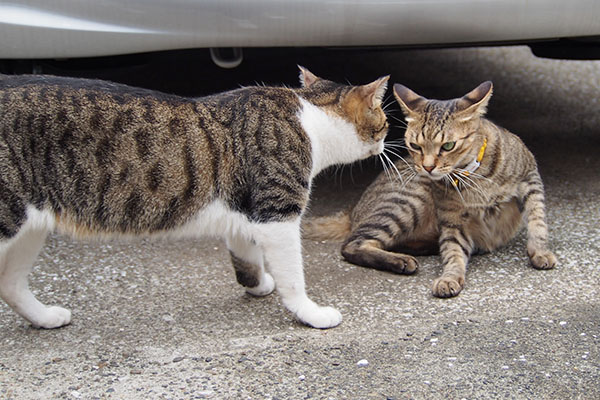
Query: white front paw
{"type": "Point", "coordinates": [53, 317]}
{"type": "Point", "coordinates": [266, 286]}
{"type": "Point", "coordinates": [316, 316]}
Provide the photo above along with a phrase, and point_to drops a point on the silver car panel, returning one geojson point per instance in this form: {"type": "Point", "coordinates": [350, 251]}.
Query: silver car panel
{"type": "Point", "coordinates": [78, 28]}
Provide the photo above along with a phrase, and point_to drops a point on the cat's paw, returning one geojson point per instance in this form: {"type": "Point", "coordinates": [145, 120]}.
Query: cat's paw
{"type": "Point", "coordinates": [53, 317]}
{"type": "Point", "coordinates": [266, 286]}
{"type": "Point", "coordinates": [312, 314]}
{"type": "Point", "coordinates": [543, 260]}
{"type": "Point", "coordinates": [447, 286]}
{"type": "Point", "coordinates": [406, 265]}
{"type": "Point", "coordinates": [320, 317]}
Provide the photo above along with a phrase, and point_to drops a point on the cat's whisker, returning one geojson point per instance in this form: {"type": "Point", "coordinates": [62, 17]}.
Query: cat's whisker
{"type": "Point", "coordinates": [468, 181]}
{"type": "Point", "coordinates": [385, 168]}
{"type": "Point", "coordinates": [403, 122]}
{"type": "Point", "coordinates": [394, 173]}
{"type": "Point", "coordinates": [387, 103]}
{"type": "Point", "coordinates": [391, 147]}
{"type": "Point", "coordinates": [396, 143]}
{"type": "Point", "coordinates": [406, 163]}
{"type": "Point", "coordinates": [397, 119]}
{"type": "Point", "coordinates": [409, 179]}
{"type": "Point", "coordinates": [360, 166]}
{"type": "Point", "coordinates": [339, 173]}
{"type": "Point", "coordinates": [392, 151]}
{"type": "Point", "coordinates": [451, 179]}
{"type": "Point", "coordinates": [470, 177]}
{"type": "Point", "coordinates": [399, 157]}
{"type": "Point", "coordinates": [349, 169]}
{"type": "Point", "coordinates": [396, 146]}
{"type": "Point", "coordinates": [393, 166]}
{"type": "Point", "coordinates": [476, 175]}
{"type": "Point", "coordinates": [400, 140]}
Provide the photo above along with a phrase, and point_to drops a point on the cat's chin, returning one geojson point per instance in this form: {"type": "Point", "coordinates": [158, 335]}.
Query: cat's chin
{"type": "Point", "coordinates": [376, 150]}
{"type": "Point", "coordinates": [433, 177]}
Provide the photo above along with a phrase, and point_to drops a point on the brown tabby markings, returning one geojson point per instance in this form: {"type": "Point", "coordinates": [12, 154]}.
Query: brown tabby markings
{"type": "Point", "coordinates": [127, 177]}
{"type": "Point", "coordinates": [439, 207]}
{"type": "Point", "coordinates": [94, 158]}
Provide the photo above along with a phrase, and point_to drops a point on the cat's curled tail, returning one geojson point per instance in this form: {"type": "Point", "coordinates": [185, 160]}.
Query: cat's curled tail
{"type": "Point", "coordinates": [331, 227]}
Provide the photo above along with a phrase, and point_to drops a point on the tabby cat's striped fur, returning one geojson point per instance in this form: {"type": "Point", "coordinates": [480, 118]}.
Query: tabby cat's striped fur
{"type": "Point", "coordinates": [92, 158]}
{"type": "Point", "coordinates": [446, 203]}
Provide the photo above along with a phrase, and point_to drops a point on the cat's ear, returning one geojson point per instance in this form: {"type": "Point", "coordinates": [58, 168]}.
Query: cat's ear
{"type": "Point", "coordinates": [474, 103]}
{"type": "Point", "coordinates": [373, 92]}
{"type": "Point", "coordinates": [409, 101]}
{"type": "Point", "coordinates": [307, 78]}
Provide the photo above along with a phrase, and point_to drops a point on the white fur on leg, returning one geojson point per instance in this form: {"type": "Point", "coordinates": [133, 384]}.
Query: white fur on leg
{"type": "Point", "coordinates": [309, 312]}
{"type": "Point", "coordinates": [265, 287]}
{"type": "Point", "coordinates": [283, 254]}
{"type": "Point", "coordinates": [246, 250]}
{"type": "Point", "coordinates": [52, 317]}
{"type": "Point", "coordinates": [16, 260]}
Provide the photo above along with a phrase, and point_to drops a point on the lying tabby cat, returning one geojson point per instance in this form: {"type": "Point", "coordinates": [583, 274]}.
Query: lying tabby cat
{"type": "Point", "coordinates": [469, 183]}
{"type": "Point", "coordinates": [92, 158]}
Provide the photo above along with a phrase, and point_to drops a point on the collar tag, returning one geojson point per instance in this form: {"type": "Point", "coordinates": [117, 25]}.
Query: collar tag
{"type": "Point", "coordinates": [473, 165]}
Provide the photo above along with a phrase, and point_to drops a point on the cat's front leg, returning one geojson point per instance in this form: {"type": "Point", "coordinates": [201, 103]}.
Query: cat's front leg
{"type": "Point", "coordinates": [248, 263]}
{"type": "Point", "coordinates": [532, 198]}
{"type": "Point", "coordinates": [282, 248]}
{"type": "Point", "coordinates": [16, 261]}
{"type": "Point", "coordinates": [455, 249]}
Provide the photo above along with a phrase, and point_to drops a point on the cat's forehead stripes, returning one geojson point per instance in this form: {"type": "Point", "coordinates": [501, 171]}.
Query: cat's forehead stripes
{"type": "Point", "coordinates": [436, 115]}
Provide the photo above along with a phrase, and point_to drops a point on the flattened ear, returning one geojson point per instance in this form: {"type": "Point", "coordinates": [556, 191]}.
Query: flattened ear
{"type": "Point", "coordinates": [373, 92]}
{"type": "Point", "coordinates": [409, 101]}
{"type": "Point", "coordinates": [307, 78]}
{"type": "Point", "coordinates": [474, 103]}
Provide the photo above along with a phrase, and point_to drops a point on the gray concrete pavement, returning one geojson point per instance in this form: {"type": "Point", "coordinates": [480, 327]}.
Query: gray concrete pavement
{"type": "Point", "coordinates": [166, 320]}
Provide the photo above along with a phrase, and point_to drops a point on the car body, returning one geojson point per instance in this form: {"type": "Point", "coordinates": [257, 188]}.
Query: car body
{"type": "Point", "coordinates": [32, 29]}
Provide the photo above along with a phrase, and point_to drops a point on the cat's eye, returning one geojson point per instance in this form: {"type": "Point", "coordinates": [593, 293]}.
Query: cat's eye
{"type": "Point", "coordinates": [415, 146]}
{"type": "Point", "coordinates": [448, 146]}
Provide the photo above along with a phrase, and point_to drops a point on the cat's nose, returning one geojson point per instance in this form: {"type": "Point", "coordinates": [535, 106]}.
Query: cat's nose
{"type": "Point", "coordinates": [428, 168]}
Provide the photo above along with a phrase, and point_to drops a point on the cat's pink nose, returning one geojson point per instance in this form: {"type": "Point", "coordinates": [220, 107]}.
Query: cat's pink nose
{"type": "Point", "coordinates": [428, 168]}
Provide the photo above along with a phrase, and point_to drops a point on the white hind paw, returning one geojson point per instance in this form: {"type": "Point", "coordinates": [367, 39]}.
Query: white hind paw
{"type": "Point", "coordinates": [319, 317]}
{"type": "Point", "coordinates": [266, 286]}
{"type": "Point", "coordinates": [53, 317]}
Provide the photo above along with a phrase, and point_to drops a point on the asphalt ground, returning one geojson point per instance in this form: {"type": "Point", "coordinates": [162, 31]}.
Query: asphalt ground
{"type": "Point", "coordinates": [166, 319]}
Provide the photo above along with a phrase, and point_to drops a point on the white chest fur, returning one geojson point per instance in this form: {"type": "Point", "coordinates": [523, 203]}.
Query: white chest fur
{"type": "Point", "coordinates": [333, 139]}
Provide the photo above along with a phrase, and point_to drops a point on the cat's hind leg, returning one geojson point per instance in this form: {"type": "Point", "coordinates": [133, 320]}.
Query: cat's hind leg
{"type": "Point", "coordinates": [389, 219]}
{"type": "Point", "coordinates": [382, 237]}
{"type": "Point", "coordinates": [248, 262]}
{"type": "Point", "coordinates": [369, 251]}
{"type": "Point", "coordinates": [16, 261]}
{"type": "Point", "coordinates": [283, 255]}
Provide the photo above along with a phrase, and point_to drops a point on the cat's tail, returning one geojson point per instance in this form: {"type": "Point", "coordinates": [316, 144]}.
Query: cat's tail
{"type": "Point", "coordinates": [332, 227]}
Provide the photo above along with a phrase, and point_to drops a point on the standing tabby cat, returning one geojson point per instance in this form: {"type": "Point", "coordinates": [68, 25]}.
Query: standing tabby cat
{"type": "Point", "coordinates": [469, 183]}
{"type": "Point", "coordinates": [92, 158]}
